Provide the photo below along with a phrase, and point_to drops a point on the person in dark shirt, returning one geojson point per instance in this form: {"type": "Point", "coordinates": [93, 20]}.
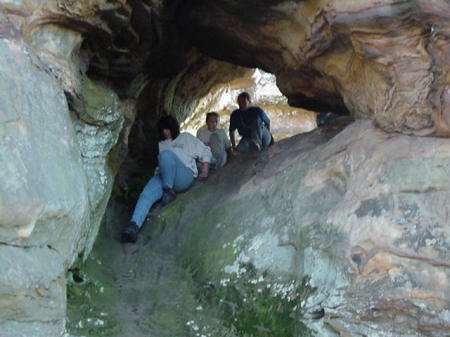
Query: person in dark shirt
{"type": "Point", "coordinates": [252, 124]}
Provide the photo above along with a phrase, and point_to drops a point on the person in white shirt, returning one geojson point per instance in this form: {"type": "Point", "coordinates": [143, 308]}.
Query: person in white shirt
{"type": "Point", "coordinates": [178, 153]}
{"type": "Point", "coordinates": [216, 139]}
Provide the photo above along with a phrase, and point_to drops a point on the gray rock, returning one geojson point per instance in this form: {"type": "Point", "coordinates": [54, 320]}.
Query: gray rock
{"type": "Point", "coordinates": [363, 218]}
{"type": "Point", "coordinates": [56, 175]}
{"type": "Point", "coordinates": [44, 188]}
{"type": "Point", "coordinates": [98, 129]}
{"type": "Point", "coordinates": [32, 292]}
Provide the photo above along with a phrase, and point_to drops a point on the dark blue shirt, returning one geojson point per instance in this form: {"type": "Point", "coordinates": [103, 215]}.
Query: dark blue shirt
{"type": "Point", "coordinates": [242, 120]}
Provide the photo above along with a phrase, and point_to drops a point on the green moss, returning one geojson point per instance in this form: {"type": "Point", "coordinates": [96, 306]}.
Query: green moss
{"type": "Point", "coordinates": [88, 304]}
{"type": "Point", "coordinates": [209, 243]}
{"type": "Point", "coordinates": [180, 277]}
{"type": "Point", "coordinates": [101, 103]}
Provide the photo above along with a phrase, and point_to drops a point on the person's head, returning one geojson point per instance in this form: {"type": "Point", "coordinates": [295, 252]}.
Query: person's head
{"type": "Point", "coordinates": [212, 119]}
{"type": "Point", "coordinates": [244, 100]}
{"type": "Point", "coordinates": [168, 128]}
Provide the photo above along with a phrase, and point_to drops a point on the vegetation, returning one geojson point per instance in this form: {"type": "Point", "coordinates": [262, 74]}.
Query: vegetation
{"type": "Point", "coordinates": [253, 304]}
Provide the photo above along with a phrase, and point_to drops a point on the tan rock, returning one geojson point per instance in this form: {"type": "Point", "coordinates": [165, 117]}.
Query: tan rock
{"type": "Point", "coordinates": [382, 60]}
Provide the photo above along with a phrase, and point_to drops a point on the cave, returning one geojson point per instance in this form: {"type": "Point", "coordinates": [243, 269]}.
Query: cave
{"type": "Point", "coordinates": [336, 230]}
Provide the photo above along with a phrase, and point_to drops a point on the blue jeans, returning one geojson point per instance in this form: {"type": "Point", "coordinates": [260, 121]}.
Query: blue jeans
{"type": "Point", "coordinates": [259, 134]}
{"type": "Point", "coordinates": [173, 174]}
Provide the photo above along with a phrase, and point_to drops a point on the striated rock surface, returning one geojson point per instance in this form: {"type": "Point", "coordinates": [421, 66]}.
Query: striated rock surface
{"type": "Point", "coordinates": [348, 235]}
{"type": "Point", "coordinates": [377, 59]}
{"type": "Point", "coordinates": [383, 60]}
{"type": "Point", "coordinates": [32, 293]}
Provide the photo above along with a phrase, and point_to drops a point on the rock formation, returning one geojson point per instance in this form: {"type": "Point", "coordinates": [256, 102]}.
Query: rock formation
{"type": "Point", "coordinates": [384, 60]}
{"type": "Point", "coordinates": [286, 120]}
{"type": "Point", "coordinates": [77, 77]}
{"type": "Point", "coordinates": [362, 217]}
{"type": "Point", "coordinates": [68, 105]}
{"type": "Point", "coordinates": [56, 177]}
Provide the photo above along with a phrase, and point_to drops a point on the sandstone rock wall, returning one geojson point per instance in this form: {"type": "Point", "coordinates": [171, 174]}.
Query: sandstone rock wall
{"type": "Point", "coordinates": [61, 138]}
{"type": "Point", "coordinates": [382, 60]}
{"type": "Point", "coordinates": [44, 207]}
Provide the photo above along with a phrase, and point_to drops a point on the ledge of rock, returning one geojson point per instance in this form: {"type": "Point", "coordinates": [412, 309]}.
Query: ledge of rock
{"type": "Point", "coordinates": [383, 60]}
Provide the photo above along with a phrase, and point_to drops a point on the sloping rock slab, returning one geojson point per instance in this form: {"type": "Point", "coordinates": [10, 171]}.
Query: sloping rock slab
{"type": "Point", "coordinates": [364, 217]}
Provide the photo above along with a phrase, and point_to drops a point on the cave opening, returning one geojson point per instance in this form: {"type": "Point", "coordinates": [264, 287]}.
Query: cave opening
{"type": "Point", "coordinates": [263, 246]}
{"type": "Point", "coordinates": [190, 109]}
{"type": "Point", "coordinates": [141, 289]}
{"type": "Point", "coordinates": [116, 280]}
{"type": "Point", "coordinates": [286, 120]}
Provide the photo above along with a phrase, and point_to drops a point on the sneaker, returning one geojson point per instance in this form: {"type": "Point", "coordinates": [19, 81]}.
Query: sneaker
{"type": "Point", "coordinates": [130, 232]}
{"type": "Point", "coordinates": [168, 196]}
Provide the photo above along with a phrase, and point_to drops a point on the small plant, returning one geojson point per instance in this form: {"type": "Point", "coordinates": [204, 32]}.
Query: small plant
{"type": "Point", "coordinates": [86, 308]}
{"type": "Point", "coordinates": [254, 304]}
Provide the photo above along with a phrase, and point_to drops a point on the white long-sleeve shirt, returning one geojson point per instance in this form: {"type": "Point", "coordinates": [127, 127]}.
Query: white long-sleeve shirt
{"type": "Point", "coordinates": [188, 148]}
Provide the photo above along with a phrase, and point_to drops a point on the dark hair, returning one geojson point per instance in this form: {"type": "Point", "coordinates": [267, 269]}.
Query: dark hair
{"type": "Point", "coordinates": [246, 95]}
{"type": "Point", "coordinates": [211, 114]}
{"type": "Point", "coordinates": [170, 123]}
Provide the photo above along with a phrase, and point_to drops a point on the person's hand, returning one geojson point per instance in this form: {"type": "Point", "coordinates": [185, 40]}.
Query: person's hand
{"type": "Point", "coordinates": [203, 176]}
{"type": "Point", "coordinates": [208, 144]}
{"type": "Point", "coordinates": [204, 173]}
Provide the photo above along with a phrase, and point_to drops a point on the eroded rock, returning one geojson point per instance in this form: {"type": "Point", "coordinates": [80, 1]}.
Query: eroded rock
{"type": "Point", "coordinates": [32, 293]}
{"type": "Point", "coordinates": [38, 195]}
{"type": "Point", "coordinates": [366, 221]}
{"type": "Point", "coordinates": [286, 120]}
{"type": "Point", "coordinates": [381, 226]}
{"type": "Point", "coordinates": [57, 168]}
{"type": "Point", "coordinates": [381, 60]}
{"type": "Point", "coordinates": [366, 224]}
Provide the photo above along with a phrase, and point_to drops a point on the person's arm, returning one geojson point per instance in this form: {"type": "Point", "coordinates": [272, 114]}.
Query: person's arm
{"type": "Point", "coordinates": [203, 153]}
{"type": "Point", "coordinates": [226, 139]}
{"type": "Point", "coordinates": [227, 143]}
{"type": "Point", "coordinates": [233, 128]}
{"type": "Point", "coordinates": [205, 170]}
{"type": "Point", "coordinates": [232, 139]}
